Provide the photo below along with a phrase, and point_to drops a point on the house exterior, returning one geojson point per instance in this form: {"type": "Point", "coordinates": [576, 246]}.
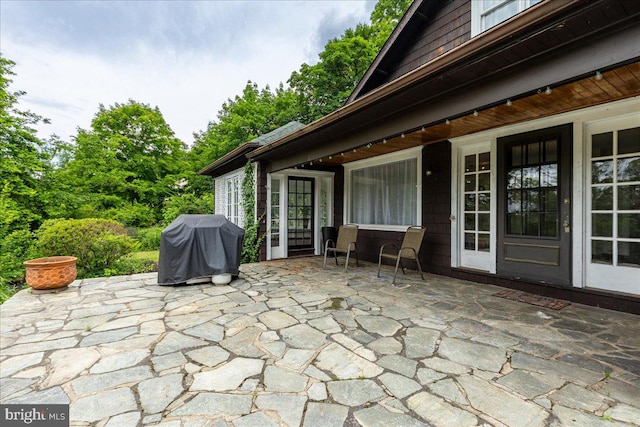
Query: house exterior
{"type": "Point", "coordinates": [228, 173]}
{"type": "Point", "coordinates": [509, 129]}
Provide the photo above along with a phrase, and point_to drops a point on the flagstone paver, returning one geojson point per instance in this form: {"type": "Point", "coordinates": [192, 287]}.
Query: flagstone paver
{"type": "Point", "coordinates": [291, 344]}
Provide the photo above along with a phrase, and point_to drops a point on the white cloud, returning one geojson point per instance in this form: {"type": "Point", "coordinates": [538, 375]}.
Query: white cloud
{"type": "Point", "coordinates": [186, 60]}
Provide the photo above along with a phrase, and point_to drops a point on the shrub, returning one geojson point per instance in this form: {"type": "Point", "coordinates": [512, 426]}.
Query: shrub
{"type": "Point", "coordinates": [134, 215]}
{"type": "Point", "coordinates": [97, 243]}
{"type": "Point", "coordinates": [15, 248]}
{"type": "Point", "coordinates": [175, 206]}
{"type": "Point", "coordinates": [149, 238]}
{"type": "Point", "coordinates": [129, 265]}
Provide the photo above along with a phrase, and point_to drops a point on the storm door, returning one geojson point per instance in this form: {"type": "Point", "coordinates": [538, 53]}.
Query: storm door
{"type": "Point", "coordinates": [534, 205]}
{"type": "Point", "coordinates": [300, 215]}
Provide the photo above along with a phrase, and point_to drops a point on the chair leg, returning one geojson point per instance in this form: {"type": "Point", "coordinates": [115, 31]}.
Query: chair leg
{"type": "Point", "coordinates": [346, 263]}
{"type": "Point", "coordinates": [419, 268]}
{"type": "Point", "coordinates": [379, 264]}
{"type": "Point", "coordinates": [324, 264]}
{"type": "Point", "coordinates": [395, 273]}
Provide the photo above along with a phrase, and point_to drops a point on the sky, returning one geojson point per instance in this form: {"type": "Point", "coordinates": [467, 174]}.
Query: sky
{"type": "Point", "coordinates": [185, 57]}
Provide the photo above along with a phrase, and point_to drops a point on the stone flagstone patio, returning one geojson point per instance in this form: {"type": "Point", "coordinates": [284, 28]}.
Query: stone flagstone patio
{"type": "Point", "coordinates": [291, 344]}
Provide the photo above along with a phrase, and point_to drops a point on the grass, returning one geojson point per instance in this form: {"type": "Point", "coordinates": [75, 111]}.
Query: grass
{"type": "Point", "coordinates": [150, 255]}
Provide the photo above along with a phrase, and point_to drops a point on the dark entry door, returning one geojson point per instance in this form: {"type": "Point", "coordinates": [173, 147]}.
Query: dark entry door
{"type": "Point", "coordinates": [300, 215]}
{"type": "Point", "coordinates": [534, 205]}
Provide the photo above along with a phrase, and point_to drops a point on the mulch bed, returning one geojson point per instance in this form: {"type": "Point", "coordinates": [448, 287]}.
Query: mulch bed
{"type": "Point", "coordinates": [532, 299]}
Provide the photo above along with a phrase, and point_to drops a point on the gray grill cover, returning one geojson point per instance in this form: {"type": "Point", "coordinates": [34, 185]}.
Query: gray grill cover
{"type": "Point", "coordinates": [197, 246]}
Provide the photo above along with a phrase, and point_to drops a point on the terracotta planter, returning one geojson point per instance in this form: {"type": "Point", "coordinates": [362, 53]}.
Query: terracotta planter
{"type": "Point", "coordinates": [51, 273]}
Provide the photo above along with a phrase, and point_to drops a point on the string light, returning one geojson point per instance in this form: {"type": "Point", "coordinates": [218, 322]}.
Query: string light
{"type": "Point", "coordinates": [422, 128]}
{"type": "Point", "coordinates": [330, 157]}
{"type": "Point", "coordinates": [509, 103]}
{"type": "Point", "coordinates": [475, 113]}
{"type": "Point", "coordinates": [548, 91]}
{"type": "Point", "coordinates": [402, 135]}
{"type": "Point", "coordinates": [384, 140]}
{"type": "Point", "coordinates": [447, 122]}
{"type": "Point", "coordinates": [598, 75]}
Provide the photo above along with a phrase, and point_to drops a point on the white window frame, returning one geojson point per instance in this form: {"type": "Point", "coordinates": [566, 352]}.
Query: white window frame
{"type": "Point", "coordinates": [412, 153]}
{"type": "Point", "coordinates": [234, 199]}
{"type": "Point", "coordinates": [477, 13]}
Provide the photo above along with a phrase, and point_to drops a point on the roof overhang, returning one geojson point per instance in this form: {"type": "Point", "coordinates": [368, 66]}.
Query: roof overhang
{"type": "Point", "coordinates": [231, 161]}
{"type": "Point", "coordinates": [558, 43]}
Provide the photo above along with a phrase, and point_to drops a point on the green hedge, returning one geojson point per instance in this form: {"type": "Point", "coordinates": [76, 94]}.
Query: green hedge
{"type": "Point", "coordinates": [97, 243]}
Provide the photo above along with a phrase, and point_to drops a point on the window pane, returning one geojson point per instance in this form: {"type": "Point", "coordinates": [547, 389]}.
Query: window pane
{"type": "Point", "coordinates": [514, 178]}
{"type": "Point", "coordinates": [629, 141]}
{"type": "Point", "coordinates": [484, 222]}
{"type": "Point", "coordinates": [602, 198]}
{"type": "Point", "coordinates": [514, 223]}
{"type": "Point", "coordinates": [532, 226]}
{"type": "Point", "coordinates": [533, 155]}
{"type": "Point", "coordinates": [484, 202]}
{"type": "Point", "coordinates": [602, 144]}
{"type": "Point", "coordinates": [484, 160]}
{"type": "Point", "coordinates": [385, 194]}
{"type": "Point", "coordinates": [484, 182]}
{"type": "Point", "coordinates": [629, 225]}
{"type": "Point", "coordinates": [470, 241]}
{"type": "Point", "coordinates": [551, 151]}
{"type": "Point", "coordinates": [531, 199]}
{"type": "Point", "coordinates": [516, 155]}
{"type": "Point", "coordinates": [550, 200]}
{"type": "Point", "coordinates": [629, 169]}
{"type": "Point", "coordinates": [549, 175]}
{"type": "Point", "coordinates": [470, 182]}
{"type": "Point", "coordinates": [531, 177]}
{"type": "Point", "coordinates": [502, 13]}
{"type": "Point", "coordinates": [470, 202]}
{"type": "Point", "coordinates": [602, 225]}
{"type": "Point", "coordinates": [470, 222]}
{"type": "Point", "coordinates": [549, 225]}
{"type": "Point", "coordinates": [470, 163]}
{"type": "Point", "coordinates": [514, 201]}
{"type": "Point", "coordinates": [601, 252]}
{"type": "Point", "coordinates": [602, 172]}
{"type": "Point", "coordinates": [629, 253]}
{"type": "Point", "coordinates": [483, 242]}
{"type": "Point", "coordinates": [628, 197]}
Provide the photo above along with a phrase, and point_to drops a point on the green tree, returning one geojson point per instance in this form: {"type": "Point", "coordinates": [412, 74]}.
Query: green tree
{"type": "Point", "coordinates": [22, 160]}
{"type": "Point", "coordinates": [125, 166]}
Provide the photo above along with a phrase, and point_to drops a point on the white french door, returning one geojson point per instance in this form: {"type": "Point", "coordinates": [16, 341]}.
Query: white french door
{"type": "Point", "coordinates": [476, 208]}
{"type": "Point", "coordinates": [612, 253]}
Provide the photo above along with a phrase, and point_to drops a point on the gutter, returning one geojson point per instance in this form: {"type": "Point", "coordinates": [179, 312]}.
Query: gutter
{"type": "Point", "coordinates": [485, 41]}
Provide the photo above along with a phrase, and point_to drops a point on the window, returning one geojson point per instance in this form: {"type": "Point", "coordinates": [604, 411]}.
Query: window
{"type": "Point", "coordinates": [233, 200]}
{"type": "Point", "coordinates": [615, 197]}
{"type": "Point", "coordinates": [384, 192]}
{"type": "Point", "coordinates": [477, 202]}
{"type": "Point", "coordinates": [489, 13]}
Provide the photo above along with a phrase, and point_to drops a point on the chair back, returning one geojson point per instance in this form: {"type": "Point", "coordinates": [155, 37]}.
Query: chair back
{"type": "Point", "coordinates": [412, 239]}
{"type": "Point", "coordinates": [346, 234]}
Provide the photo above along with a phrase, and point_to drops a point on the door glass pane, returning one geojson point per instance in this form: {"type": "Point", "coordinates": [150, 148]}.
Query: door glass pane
{"type": "Point", "coordinates": [628, 197]}
{"type": "Point", "coordinates": [514, 201]}
{"type": "Point", "coordinates": [629, 141]}
{"type": "Point", "coordinates": [516, 155]}
{"type": "Point", "coordinates": [484, 202]}
{"type": "Point", "coordinates": [551, 151]}
{"type": "Point", "coordinates": [484, 222]}
{"type": "Point", "coordinates": [470, 182]}
{"type": "Point", "coordinates": [629, 253]}
{"type": "Point", "coordinates": [629, 169]}
{"type": "Point", "coordinates": [470, 202]}
{"type": "Point", "coordinates": [470, 163]}
{"type": "Point", "coordinates": [602, 144]}
{"type": "Point", "coordinates": [470, 221]}
{"type": "Point", "coordinates": [483, 242]}
{"type": "Point", "coordinates": [602, 225]}
{"type": "Point", "coordinates": [602, 172]}
{"type": "Point", "coordinates": [514, 178]}
{"type": "Point", "coordinates": [470, 241]}
{"type": "Point", "coordinates": [602, 252]}
{"type": "Point", "coordinates": [533, 153]}
{"type": "Point", "coordinates": [602, 198]}
{"type": "Point", "coordinates": [629, 225]}
{"type": "Point", "coordinates": [549, 200]}
{"type": "Point", "coordinates": [484, 161]}
{"type": "Point", "coordinates": [549, 224]}
{"type": "Point", "coordinates": [531, 177]}
{"type": "Point", "coordinates": [549, 175]}
{"type": "Point", "coordinates": [484, 182]}
{"type": "Point", "coordinates": [514, 223]}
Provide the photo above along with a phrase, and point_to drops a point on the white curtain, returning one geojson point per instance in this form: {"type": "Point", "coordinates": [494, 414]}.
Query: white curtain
{"type": "Point", "coordinates": [385, 194]}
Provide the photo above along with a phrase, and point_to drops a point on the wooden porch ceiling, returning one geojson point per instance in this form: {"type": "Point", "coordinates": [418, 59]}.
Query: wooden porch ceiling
{"type": "Point", "coordinates": [620, 83]}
